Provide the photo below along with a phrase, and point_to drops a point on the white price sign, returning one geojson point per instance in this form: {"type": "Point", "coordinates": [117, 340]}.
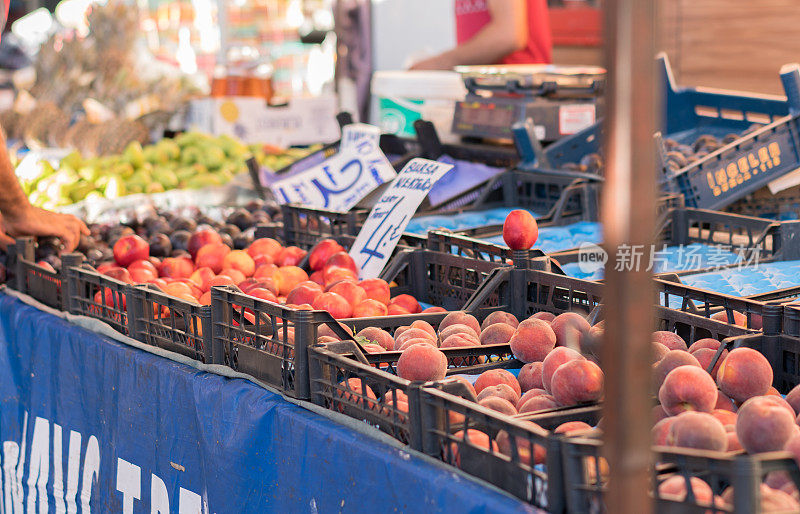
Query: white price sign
{"type": "Point", "coordinates": [340, 182]}
{"type": "Point", "coordinates": [390, 216]}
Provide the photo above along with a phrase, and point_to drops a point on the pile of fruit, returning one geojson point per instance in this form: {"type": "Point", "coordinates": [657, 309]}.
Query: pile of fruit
{"type": "Point", "coordinates": [191, 160]}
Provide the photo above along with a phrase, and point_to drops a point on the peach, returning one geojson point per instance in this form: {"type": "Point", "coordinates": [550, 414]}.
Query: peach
{"type": "Point", "coordinates": [332, 274]}
{"type": "Point", "coordinates": [408, 343]}
{"type": "Point", "coordinates": [237, 276]}
{"type": "Point", "coordinates": [177, 288]}
{"type": "Point", "coordinates": [350, 292]}
{"type": "Point", "coordinates": [724, 403]}
{"type": "Point", "coordinates": [671, 360]}
{"type": "Point", "coordinates": [201, 238]}
{"type": "Point", "coordinates": [321, 252]}
{"type": "Point", "coordinates": [527, 395]}
{"type": "Point", "coordinates": [431, 310]}
{"type": "Point", "coordinates": [733, 441]}
{"type": "Point", "coordinates": [176, 267]}
{"type": "Point", "coordinates": [687, 387]}
{"type": "Point", "coordinates": [706, 355]}
{"type": "Point", "coordinates": [726, 417]}
{"type": "Point", "coordinates": [327, 331]}
{"type": "Point", "coordinates": [793, 446]}
{"type": "Point", "coordinates": [736, 318]}
{"type": "Point", "coordinates": [201, 277]}
{"type": "Point", "coordinates": [539, 403]}
{"type": "Point", "coordinates": [424, 325]}
{"type": "Point", "coordinates": [302, 294]}
{"type": "Point", "coordinates": [675, 488]}
{"type": "Point", "coordinates": [499, 333]}
{"type": "Point", "coordinates": [317, 277]}
{"type": "Point", "coordinates": [378, 336]}
{"type": "Point", "coordinates": [698, 430]}
{"type": "Point", "coordinates": [407, 302]}
{"type": "Point", "coordinates": [374, 348]}
{"type": "Point", "coordinates": [265, 271]}
{"type": "Point", "coordinates": [396, 310]}
{"type": "Point", "coordinates": [500, 317]}
{"type": "Point", "coordinates": [456, 329]}
{"type": "Point", "coordinates": [763, 424]}
{"type": "Point", "coordinates": [572, 427]}
{"type": "Point", "coordinates": [261, 260]}
{"type": "Point", "coordinates": [669, 339]}
{"type": "Point", "coordinates": [205, 298]}
{"type": "Point", "coordinates": [743, 374]}
{"type": "Point", "coordinates": [500, 390]}
{"type": "Point", "coordinates": [290, 256]}
{"type": "Point", "coordinates": [659, 351]}
{"type": "Point", "coordinates": [544, 316]}
{"type": "Point", "coordinates": [555, 359]}
{"type": "Point", "coordinates": [355, 391]}
{"type": "Point", "coordinates": [212, 256]}
{"type": "Point", "coordinates": [793, 397]}
{"type": "Point", "coordinates": [460, 318]}
{"type": "Point", "coordinates": [422, 362]}
{"type": "Point", "coordinates": [240, 261]}
{"type": "Point", "coordinates": [570, 329]}
{"type": "Point", "coordinates": [377, 289]}
{"type": "Point", "coordinates": [520, 230]}
{"type": "Point", "coordinates": [495, 377]}
{"type": "Point", "coordinates": [414, 333]}
{"type": "Point", "coordinates": [370, 309]}
{"type": "Point", "coordinates": [532, 340]}
{"type": "Point", "coordinates": [460, 341]}
{"type": "Point", "coordinates": [336, 306]}
{"type": "Point", "coordinates": [660, 431]}
{"type": "Point", "coordinates": [474, 439]}
{"type": "Point", "coordinates": [530, 376]}
{"type": "Point", "coordinates": [773, 500]}
{"type": "Point", "coordinates": [221, 280]}
{"type": "Point", "coordinates": [498, 404]}
{"type": "Point", "coordinates": [706, 342]}
{"type": "Point", "coordinates": [577, 381]}
{"type": "Point", "coordinates": [466, 383]}
{"type": "Point", "coordinates": [341, 259]}
{"type": "Point", "coordinates": [522, 448]}
{"type": "Point", "coordinates": [263, 294]}
{"type": "Point", "coordinates": [142, 275]}
{"type": "Point", "coordinates": [658, 413]}
{"type": "Point", "coordinates": [265, 246]}
{"type": "Point", "coordinates": [288, 277]}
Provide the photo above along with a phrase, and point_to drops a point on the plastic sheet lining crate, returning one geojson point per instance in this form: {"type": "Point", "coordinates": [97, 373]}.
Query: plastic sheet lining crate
{"type": "Point", "coordinates": [36, 281]}
{"type": "Point", "coordinates": [161, 320]}
{"type": "Point", "coordinates": [748, 163]}
{"type": "Point", "coordinates": [96, 296]}
{"type": "Point", "coordinates": [524, 292]}
{"type": "Point", "coordinates": [366, 386]}
{"type": "Point", "coordinates": [266, 340]}
{"type": "Point", "coordinates": [437, 278]}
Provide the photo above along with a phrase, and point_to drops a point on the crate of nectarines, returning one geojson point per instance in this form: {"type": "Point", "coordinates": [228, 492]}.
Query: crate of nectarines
{"type": "Point", "coordinates": [178, 324]}
{"type": "Point", "coordinates": [724, 436]}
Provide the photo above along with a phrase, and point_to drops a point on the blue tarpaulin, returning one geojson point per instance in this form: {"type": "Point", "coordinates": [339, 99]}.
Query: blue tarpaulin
{"type": "Point", "coordinates": [87, 422]}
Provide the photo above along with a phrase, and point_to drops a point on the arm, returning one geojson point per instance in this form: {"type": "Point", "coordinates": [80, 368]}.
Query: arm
{"type": "Point", "coordinates": [20, 218]}
{"type": "Point", "coordinates": [504, 34]}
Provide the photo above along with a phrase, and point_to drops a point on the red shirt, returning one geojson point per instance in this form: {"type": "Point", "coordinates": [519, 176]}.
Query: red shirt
{"type": "Point", "coordinates": [473, 15]}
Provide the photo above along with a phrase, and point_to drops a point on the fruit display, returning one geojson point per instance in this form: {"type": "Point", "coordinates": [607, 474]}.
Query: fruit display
{"type": "Point", "coordinates": [191, 160]}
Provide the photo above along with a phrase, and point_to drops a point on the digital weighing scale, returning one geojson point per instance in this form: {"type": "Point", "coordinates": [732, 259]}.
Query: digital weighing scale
{"type": "Point", "coordinates": [561, 100]}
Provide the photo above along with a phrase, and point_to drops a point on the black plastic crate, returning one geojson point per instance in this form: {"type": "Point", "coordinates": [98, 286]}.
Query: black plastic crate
{"type": "Point", "coordinates": [266, 340]}
{"type": "Point", "coordinates": [583, 462]}
{"type": "Point", "coordinates": [96, 296]}
{"type": "Point", "coordinates": [161, 320]}
{"type": "Point", "coordinates": [437, 278]}
{"type": "Point", "coordinates": [338, 370]}
{"type": "Point", "coordinates": [41, 284]}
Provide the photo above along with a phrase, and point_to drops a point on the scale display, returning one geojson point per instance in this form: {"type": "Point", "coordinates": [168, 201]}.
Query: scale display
{"type": "Point", "coordinates": [471, 115]}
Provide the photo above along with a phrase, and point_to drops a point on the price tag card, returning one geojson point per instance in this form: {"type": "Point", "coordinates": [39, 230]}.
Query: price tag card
{"type": "Point", "coordinates": [340, 182]}
{"type": "Point", "coordinates": [390, 216]}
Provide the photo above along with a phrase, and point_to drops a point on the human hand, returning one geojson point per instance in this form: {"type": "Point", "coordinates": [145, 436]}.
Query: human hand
{"type": "Point", "coordinates": [437, 62]}
{"type": "Point", "coordinates": [33, 221]}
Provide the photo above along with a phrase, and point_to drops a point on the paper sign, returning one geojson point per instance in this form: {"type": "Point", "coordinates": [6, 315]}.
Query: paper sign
{"type": "Point", "coordinates": [340, 182]}
{"type": "Point", "coordinates": [390, 216]}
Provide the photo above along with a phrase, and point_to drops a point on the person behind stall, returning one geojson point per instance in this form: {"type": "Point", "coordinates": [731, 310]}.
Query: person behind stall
{"type": "Point", "coordinates": [496, 32]}
{"type": "Point", "coordinates": [17, 216]}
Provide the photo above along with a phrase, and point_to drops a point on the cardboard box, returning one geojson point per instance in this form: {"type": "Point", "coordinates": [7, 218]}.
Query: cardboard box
{"type": "Point", "coordinates": [303, 121]}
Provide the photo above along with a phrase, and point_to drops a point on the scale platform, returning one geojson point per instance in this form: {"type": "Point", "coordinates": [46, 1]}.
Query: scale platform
{"type": "Point", "coordinates": [560, 100]}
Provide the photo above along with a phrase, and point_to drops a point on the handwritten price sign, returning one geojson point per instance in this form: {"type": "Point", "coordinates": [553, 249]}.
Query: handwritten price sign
{"type": "Point", "coordinates": [391, 215]}
{"type": "Point", "coordinates": [342, 181]}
